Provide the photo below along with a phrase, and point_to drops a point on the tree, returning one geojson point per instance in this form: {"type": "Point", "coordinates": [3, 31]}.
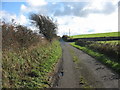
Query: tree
{"type": "Point", "coordinates": [46, 26]}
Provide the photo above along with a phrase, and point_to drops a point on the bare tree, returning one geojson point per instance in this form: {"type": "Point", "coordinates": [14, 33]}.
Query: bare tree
{"type": "Point", "coordinates": [46, 25]}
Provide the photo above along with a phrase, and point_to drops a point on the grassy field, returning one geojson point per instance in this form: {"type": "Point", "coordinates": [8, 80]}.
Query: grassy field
{"type": "Point", "coordinates": [30, 68]}
{"type": "Point", "coordinates": [111, 34]}
{"type": "Point", "coordinates": [99, 56]}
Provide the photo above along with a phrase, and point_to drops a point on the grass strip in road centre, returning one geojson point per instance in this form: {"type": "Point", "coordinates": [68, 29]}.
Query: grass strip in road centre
{"type": "Point", "coordinates": [75, 58]}
{"type": "Point", "coordinates": [83, 81]}
{"type": "Point", "coordinates": [101, 57]}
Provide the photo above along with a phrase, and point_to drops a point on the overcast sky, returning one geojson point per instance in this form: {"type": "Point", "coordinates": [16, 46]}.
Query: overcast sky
{"type": "Point", "coordinates": [78, 16]}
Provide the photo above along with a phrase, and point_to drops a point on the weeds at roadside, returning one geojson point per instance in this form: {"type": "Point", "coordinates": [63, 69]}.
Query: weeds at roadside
{"type": "Point", "coordinates": [75, 58]}
{"type": "Point", "coordinates": [30, 68]}
{"type": "Point", "coordinates": [84, 83]}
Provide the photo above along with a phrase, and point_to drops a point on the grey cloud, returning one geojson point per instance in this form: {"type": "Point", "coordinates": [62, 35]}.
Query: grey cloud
{"type": "Point", "coordinates": [77, 9]}
{"type": "Point", "coordinates": [63, 8]}
{"type": "Point", "coordinates": [109, 8]}
{"type": "Point", "coordinates": [74, 8]}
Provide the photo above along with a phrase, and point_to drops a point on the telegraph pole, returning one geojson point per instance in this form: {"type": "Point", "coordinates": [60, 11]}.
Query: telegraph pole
{"type": "Point", "coordinates": [69, 32]}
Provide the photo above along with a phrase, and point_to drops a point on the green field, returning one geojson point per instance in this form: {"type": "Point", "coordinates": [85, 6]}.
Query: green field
{"type": "Point", "coordinates": [110, 34]}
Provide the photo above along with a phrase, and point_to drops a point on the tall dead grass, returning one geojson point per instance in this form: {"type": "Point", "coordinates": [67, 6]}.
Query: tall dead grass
{"type": "Point", "coordinates": [18, 37]}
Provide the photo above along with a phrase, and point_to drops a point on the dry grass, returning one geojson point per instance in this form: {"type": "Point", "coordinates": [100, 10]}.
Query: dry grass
{"type": "Point", "coordinates": [17, 37]}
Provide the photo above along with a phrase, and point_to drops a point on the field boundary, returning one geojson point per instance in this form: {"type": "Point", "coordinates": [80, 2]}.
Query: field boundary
{"type": "Point", "coordinates": [94, 39]}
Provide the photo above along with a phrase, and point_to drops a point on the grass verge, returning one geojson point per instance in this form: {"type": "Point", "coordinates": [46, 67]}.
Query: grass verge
{"type": "Point", "coordinates": [30, 68]}
{"type": "Point", "coordinates": [101, 57]}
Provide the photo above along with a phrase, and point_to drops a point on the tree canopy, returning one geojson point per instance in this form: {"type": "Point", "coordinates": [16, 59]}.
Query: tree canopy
{"type": "Point", "coordinates": [46, 25]}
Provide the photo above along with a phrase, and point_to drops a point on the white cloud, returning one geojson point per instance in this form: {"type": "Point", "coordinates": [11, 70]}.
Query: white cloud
{"type": "Point", "coordinates": [33, 6]}
{"type": "Point", "coordinates": [101, 6]}
{"type": "Point", "coordinates": [34, 28]}
{"type": "Point", "coordinates": [7, 16]}
{"type": "Point", "coordinates": [97, 22]}
{"type": "Point", "coordinates": [95, 4]}
{"type": "Point", "coordinates": [23, 20]}
{"type": "Point", "coordinates": [37, 3]}
{"type": "Point", "coordinates": [94, 23]}
{"type": "Point", "coordinates": [23, 8]}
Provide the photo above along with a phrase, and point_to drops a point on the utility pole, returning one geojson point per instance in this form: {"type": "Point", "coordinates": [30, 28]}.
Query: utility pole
{"type": "Point", "coordinates": [69, 32]}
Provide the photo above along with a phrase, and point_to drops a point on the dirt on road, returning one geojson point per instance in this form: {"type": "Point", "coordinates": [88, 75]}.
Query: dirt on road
{"type": "Point", "coordinates": [79, 70]}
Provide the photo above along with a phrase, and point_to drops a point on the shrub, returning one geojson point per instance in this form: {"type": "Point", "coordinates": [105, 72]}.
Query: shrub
{"type": "Point", "coordinates": [16, 37]}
